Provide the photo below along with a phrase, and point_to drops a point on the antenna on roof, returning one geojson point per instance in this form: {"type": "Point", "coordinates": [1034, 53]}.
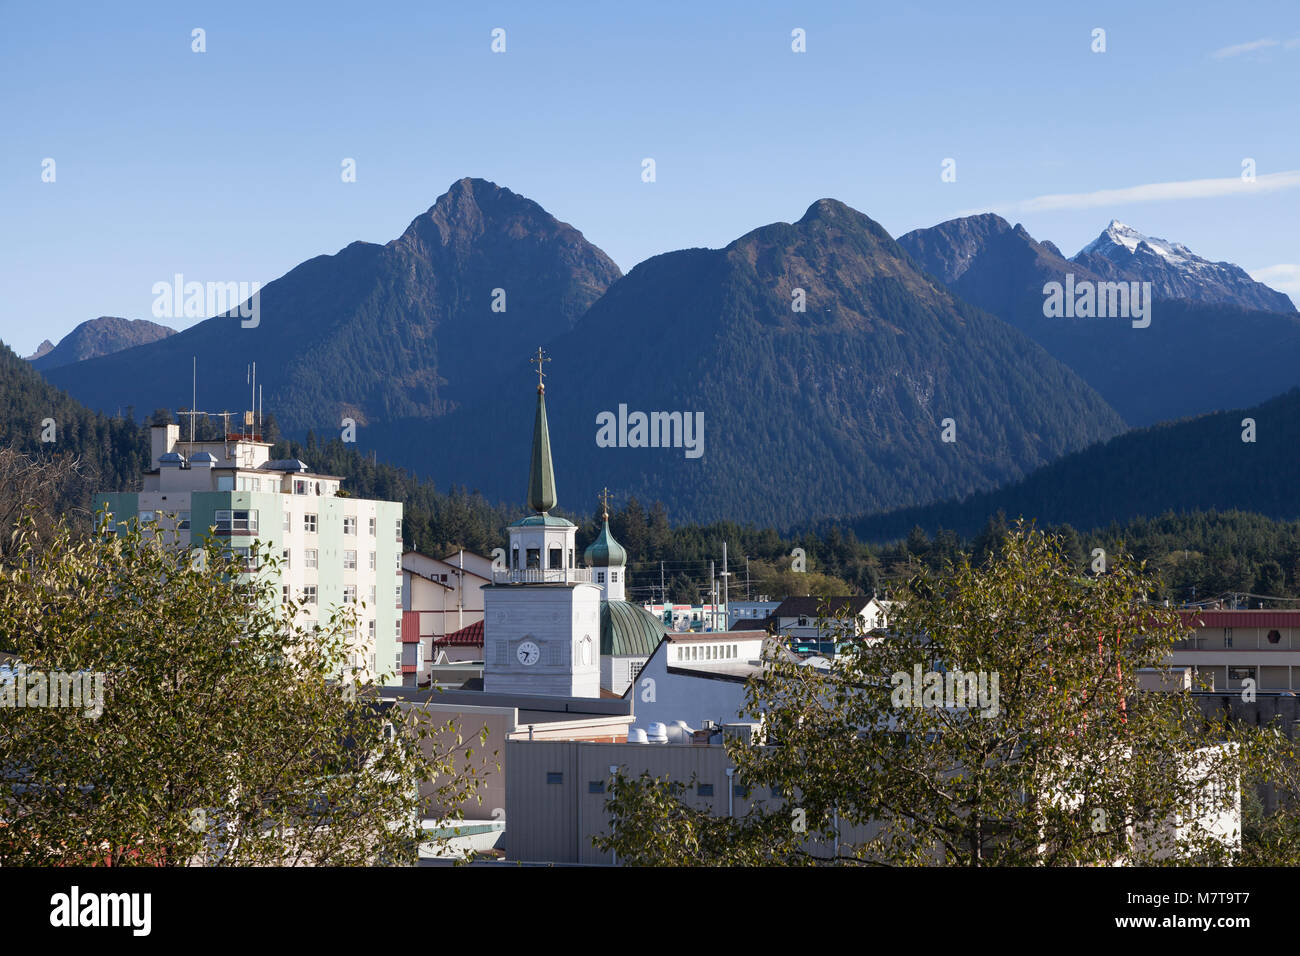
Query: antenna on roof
{"type": "Point", "coordinates": [194, 395]}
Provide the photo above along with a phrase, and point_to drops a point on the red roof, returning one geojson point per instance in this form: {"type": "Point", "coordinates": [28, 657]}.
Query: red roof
{"type": "Point", "coordinates": [471, 636]}
{"type": "Point", "coordinates": [1267, 618]}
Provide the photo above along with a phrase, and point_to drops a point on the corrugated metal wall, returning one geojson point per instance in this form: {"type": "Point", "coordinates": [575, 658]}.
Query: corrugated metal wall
{"type": "Point", "coordinates": [555, 822]}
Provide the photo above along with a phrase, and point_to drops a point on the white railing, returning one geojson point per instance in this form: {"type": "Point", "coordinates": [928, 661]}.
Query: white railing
{"type": "Point", "coordinates": [543, 576]}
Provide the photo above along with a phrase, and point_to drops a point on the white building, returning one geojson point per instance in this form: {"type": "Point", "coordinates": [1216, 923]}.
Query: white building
{"type": "Point", "coordinates": [332, 550]}
{"type": "Point", "coordinates": [551, 627]}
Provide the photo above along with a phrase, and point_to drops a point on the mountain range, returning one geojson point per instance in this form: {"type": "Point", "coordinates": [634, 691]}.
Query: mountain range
{"type": "Point", "coordinates": [1210, 350]}
{"type": "Point", "coordinates": [838, 406]}
{"type": "Point", "coordinates": [837, 372]}
{"type": "Point", "coordinates": [378, 332]}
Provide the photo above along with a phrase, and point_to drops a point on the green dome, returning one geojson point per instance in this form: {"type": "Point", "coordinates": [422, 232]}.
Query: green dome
{"type": "Point", "coordinates": [628, 630]}
{"type": "Point", "coordinates": [545, 521]}
{"type": "Point", "coordinates": [605, 552]}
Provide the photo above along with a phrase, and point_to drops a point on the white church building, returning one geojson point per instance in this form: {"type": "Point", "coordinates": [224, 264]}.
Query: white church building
{"type": "Point", "coordinates": [553, 628]}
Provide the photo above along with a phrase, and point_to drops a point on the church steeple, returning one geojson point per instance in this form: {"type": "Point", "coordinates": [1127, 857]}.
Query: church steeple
{"type": "Point", "coordinates": [541, 473]}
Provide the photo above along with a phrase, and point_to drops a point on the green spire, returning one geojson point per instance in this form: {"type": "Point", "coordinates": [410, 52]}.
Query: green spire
{"type": "Point", "coordinates": [541, 473]}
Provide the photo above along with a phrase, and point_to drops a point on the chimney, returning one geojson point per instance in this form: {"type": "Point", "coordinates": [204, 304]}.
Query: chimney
{"type": "Point", "coordinates": [162, 440]}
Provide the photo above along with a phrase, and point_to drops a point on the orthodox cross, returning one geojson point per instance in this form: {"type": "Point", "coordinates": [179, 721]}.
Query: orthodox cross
{"type": "Point", "coordinates": [537, 360]}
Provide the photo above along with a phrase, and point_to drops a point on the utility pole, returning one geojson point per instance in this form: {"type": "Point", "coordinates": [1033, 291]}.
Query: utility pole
{"type": "Point", "coordinates": [726, 609]}
{"type": "Point", "coordinates": [713, 598]}
{"type": "Point", "coordinates": [663, 594]}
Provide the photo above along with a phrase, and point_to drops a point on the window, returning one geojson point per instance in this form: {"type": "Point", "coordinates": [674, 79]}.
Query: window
{"type": "Point", "coordinates": [397, 562]}
{"type": "Point", "coordinates": [740, 790]}
{"type": "Point", "coordinates": [309, 558]}
{"type": "Point", "coordinates": [373, 598]}
{"type": "Point", "coordinates": [225, 483]}
{"type": "Point", "coordinates": [284, 594]}
{"type": "Point", "coordinates": [288, 519]}
{"type": "Point", "coordinates": [1227, 637]}
{"type": "Point", "coordinates": [399, 529]}
{"type": "Point", "coordinates": [600, 577]}
{"type": "Point", "coordinates": [705, 790]}
{"type": "Point", "coordinates": [372, 631]}
{"type": "Point", "coordinates": [236, 522]}
{"type": "Point", "coordinates": [349, 560]}
{"type": "Point", "coordinates": [182, 521]}
{"type": "Point", "coordinates": [250, 484]}
{"type": "Point", "coordinates": [286, 558]}
{"type": "Point", "coordinates": [554, 776]}
{"type": "Point", "coordinates": [399, 599]}
{"type": "Point", "coordinates": [300, 486]}
{"type": "Point", "coordinates": [349, 525]}
{"type": "Point", "coordinates": [556, 558]}
{"type": "Point", "coordinates": [147, 517]}
{"type": "Point", "coordinates": [613, 576]}
{"type": "Point", "coordinates": [372, 527]}
{"type": "Point", "coordinates": [350, 594]}
{"type": "Point", "coordinates": [634, 668]}
{"type": "Point", "coordinates": [534, 558]}
{"type": "Point", "coordinates": [309, 524]}
{"type": "Point", "coordinates": [596, 786]}
{"type": "Point", "coordinates": [372, 560]}
{"type": "Point", "coordinates": [309, 593]}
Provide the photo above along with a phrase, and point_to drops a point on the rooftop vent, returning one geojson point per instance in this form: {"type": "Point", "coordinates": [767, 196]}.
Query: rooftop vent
{"type": "Point", "coordinates": [285, 464]}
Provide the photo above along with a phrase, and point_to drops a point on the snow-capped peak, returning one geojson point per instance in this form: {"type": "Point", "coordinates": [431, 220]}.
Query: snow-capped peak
{"type": "Point", "coordinates": [1128, 238]}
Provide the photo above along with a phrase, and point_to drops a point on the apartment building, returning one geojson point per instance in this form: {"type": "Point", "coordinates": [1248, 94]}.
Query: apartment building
{"type": "Point", "coordinates": [333, 549]}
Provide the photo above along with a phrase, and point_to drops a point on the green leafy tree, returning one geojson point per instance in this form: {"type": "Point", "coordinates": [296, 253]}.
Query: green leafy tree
{"type": "Point", "coordinates": [1051, 755]}
{"type": "Point", "coordinates": [215, 725]}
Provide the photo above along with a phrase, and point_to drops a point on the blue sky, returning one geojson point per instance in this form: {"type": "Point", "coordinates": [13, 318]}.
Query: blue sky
{"type": "Point", "coordinates": [225, 165]}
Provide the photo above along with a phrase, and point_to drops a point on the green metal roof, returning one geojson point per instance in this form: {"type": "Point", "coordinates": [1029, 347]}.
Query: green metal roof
{"type": "Point", "coordinates": [605, 552]}
{"type": "Point", "coordinates": [629, 630]}
{"type": "Point", "coordinates": [541, 474]}
{"type": "Point", "coordinates": [549, 521]}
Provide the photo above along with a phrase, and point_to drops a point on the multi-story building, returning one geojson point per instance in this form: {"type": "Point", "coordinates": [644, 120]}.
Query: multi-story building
{"type": "Point", "coordinates": [1227, 648]}
{"type": "Point", "coordinates": [333, 549]}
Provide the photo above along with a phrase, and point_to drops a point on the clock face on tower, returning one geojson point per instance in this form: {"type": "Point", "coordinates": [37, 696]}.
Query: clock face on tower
{"type": "Point", "coordinates": [528, 653]}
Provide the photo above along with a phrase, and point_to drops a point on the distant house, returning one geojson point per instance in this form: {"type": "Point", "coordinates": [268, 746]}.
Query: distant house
{"type": "Point", "coordinates": [441, 597]}
{"type": "Point", "coordinates": [749, 615]}
{"type": "Point", "coordinates": [816, 621]}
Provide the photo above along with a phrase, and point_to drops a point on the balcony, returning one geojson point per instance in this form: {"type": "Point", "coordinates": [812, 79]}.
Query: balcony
{"type": "Point", "coordinates": [543, 576]}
